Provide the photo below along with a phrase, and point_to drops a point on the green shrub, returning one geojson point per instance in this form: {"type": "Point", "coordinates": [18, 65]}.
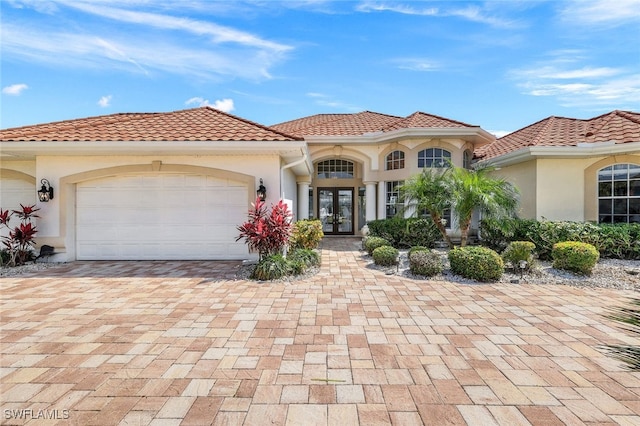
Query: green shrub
{"type": "Point", "coordinates": [575, 257]}
{"type": "Point", "coordinates": [518, 251]}
{"type": "Point", "coordinates": [401, 232]}
{"type": "Point", "coordinates": [393, 230]}
{"type": "Point", "coordinates": [477, 263]}
{"type": "Point", "coordinates": [308, 257]}
{"type": "Point", "coordinates": [617, 241]}
{"type": "Point", "coordinates": [421, 232]}
{"type": "Point", "coordinates": [306, 234]}
{"type": "Point", "coordinates": [425, 262]}
{"type": "Point", "coordinates": [385, 256]}
{"type": "Point", "coordinates": [417, 248]}
{"type": "Point", "coordinates": [271, 267]}
{"type": "Point", "coordinates": [372, 243]}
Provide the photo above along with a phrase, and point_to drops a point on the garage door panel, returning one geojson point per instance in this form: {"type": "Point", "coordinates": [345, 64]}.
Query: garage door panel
{"type": "Point", "coordinates": [160, 217]}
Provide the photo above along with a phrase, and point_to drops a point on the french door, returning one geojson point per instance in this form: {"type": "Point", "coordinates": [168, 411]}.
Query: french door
{"type": "Point", "coordinates": [335, 210]}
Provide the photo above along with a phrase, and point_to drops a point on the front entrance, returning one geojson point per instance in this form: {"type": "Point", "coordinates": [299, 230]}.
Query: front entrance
{"type": "Point", "coordinates": [335, 210]}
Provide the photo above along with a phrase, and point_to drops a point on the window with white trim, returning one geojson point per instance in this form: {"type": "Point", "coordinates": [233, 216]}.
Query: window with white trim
{"type": "Point", "coordinates": [434, 157]}
{"type": "Point", "coordinates": [392, 197]}
{"type": "Point", "coordinates": [339, 169]}
{"type": "Point", "coordinates": [395, 160]}
{"type": "Point", "coordinates": [619, 194]}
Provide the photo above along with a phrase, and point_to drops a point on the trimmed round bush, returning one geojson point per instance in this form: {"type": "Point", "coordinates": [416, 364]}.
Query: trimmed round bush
{"type": "Point", "coordinates": [425, 262]}
{"type": "Point", "coordinates": [575, 256]}
{"type": "Point", "coordinates": [372, 243]}
{"type": "Point", "coordinates": [417, 248]}
{"type": "Point", "coordinates": [518, 251]}
{"type": "Point", "coordinates": [385, 256]}
{"type": "Point", "coordinates": [476, 263]}
{"type": "Point", "coordinates": [271, 268]}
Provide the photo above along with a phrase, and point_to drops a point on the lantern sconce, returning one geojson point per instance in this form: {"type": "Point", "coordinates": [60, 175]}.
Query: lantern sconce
{"type": "Point", "coordinates": [46, 192]}
{"type": "Point", "coordinates": [262, 191]}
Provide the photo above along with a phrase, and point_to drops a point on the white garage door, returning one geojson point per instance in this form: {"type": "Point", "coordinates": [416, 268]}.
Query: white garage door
{"type": "Point", "coordinates": [158, 217]}
{"type": "Point", "coordinates": [14, 192]}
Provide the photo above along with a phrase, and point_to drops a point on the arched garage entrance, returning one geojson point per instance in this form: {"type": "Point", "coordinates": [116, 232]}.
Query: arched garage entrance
{"type": "Point", "coordinates": [161, 216]}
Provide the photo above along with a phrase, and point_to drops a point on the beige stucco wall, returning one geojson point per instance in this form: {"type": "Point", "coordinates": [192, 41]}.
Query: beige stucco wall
{"type": "Point", "coordinates": [523, 176]}
{"type": "Point", "coordinates": [57, 216]}
{"type": "Point", "coordinates": [561, 188]}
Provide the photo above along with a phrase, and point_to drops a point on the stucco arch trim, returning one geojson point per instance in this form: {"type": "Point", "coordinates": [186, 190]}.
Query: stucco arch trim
{"type": "Point", "coordinates": [591, 182]}
{"type": "Point", "coordinates": [15, 174]}
{"type": "Point", "coordinates": [68, 189]}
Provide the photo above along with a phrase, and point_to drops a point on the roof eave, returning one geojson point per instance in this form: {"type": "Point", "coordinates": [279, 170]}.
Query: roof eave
{"type": "Point", "coordinates": [582, 151]}
{"type": "Point", "coordinates": [476, 135]}
{"type": "Point", "coordinates": [33, 149]}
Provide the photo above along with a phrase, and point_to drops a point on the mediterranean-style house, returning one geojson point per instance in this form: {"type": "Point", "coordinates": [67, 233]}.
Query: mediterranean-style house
{"type": "Point", "coordinates": [176, 185]}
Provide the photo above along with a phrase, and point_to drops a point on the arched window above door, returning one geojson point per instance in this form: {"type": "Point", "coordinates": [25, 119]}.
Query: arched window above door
{"type": "Point", "coordinates": [335, 169]}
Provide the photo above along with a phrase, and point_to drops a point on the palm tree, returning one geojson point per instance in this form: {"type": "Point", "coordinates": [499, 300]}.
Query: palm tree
{"type": "Point", "coordinates": [476, 189]}
{"type": "Point", "coordinates": [430, 191]}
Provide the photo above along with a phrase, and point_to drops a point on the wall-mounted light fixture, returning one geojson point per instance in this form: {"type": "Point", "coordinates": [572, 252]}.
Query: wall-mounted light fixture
{"type": "Point", "coordinates": [46, 192]}
{"type": "Point", "coordinates": [262, 191]}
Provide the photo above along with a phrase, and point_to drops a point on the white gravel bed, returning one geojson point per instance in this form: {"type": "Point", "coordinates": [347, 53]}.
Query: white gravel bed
{"type": "Point", "coordinates": [28, 267]}
{"type": "Point", "coordinates": [608, 273]}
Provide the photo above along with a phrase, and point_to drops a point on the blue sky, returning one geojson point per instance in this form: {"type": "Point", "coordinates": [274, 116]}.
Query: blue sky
{"type": "Point", "coordinates": [498, 64]}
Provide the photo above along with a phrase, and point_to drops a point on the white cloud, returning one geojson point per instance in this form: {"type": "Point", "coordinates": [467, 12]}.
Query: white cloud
{"type": "Point", "coordinates": [163, 43]}
{"type": "Point", "coordinates": [601, 12]}
{"type": "Point", "coordinates": [105, 101]}
{"type": "Point", "coordinates": [499, 133]}
{"type": "Point", "coordinates": [218, 33]}
{"type": "Point", "coordinates": [147, 55]}
{"type": "Point", "coordinates": [416, 64]}
{"type": "Point", "coordinates": [469, 13]}
{"type": "Point", "coordinates": [225, 105]}
{"type": "Point", "coordinates": [327, 101]}
{"type": "Point", "coordinates": [575, 84]}
{"type": "Point", "coordinates": [15, 89]}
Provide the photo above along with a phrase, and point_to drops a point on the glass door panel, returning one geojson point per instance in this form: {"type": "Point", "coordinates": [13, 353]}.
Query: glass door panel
{"type": "Point", "coordinates": [325, 212]}
{"type": "Point", "coordinates": [335, 210]}
{"type": "Point", "coordinates": [345, 208]}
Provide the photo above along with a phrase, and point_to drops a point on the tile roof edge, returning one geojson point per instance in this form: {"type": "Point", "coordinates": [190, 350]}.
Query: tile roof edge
{"type": "Point", "coordinates": [443, 118]}
{"type": "Point", "coordinates": [38, 128]}
{"type": "Point", "coordinates": [253, 123]}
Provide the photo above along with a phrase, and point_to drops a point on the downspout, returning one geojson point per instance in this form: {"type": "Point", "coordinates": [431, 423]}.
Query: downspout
{"type": "Point", "coordinates": [287, 166]}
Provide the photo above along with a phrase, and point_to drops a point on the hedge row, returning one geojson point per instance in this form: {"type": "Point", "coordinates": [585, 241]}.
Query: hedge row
{"type": "Point", "coordinates": [405, 233]}
{"type": "Point", "coordinates": [616, 241]}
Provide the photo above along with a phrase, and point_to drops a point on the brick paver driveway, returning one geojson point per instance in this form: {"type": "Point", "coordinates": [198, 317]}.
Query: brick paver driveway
{"type": "Point", "coordinates": [163, 343]}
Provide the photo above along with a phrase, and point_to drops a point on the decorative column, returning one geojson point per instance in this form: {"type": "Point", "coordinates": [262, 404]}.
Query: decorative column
{"type": "Point", "coordinates": [370, 196]}
{"type": "Point", "coordinates": [382, 200]}
{"type": "Point", "coordinates": [303, 200]}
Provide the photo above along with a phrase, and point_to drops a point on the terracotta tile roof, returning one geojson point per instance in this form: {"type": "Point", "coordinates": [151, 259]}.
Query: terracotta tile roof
{"type": "Point", "coordinates": [362, 123]}
{"type": "Point", "coordinates": [198, 124]}
{"type": "Point", "coordinates": [617, 126]}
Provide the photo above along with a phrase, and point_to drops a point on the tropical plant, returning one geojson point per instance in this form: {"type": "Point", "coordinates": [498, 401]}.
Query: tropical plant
{"type": "Point", "coordinates": [629, 318]}
{"type": "Point", "coordinates": [519, 251]}
{"type": "Point", "coordinates": [20, 240]}
{"type": "Point", "coordinates": [306, 234]}
{"type": "Point", "coordinates": [476, 189]}
{"type": "Point", "coordinates": [429, 191]}
{"type": "Point", "coordinates": [267, 233]}
{"type": "Point", "coordinates": [271, 267]}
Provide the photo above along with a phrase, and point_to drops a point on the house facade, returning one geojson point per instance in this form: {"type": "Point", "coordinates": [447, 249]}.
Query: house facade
{"type": "Point", "coordinates": [176, 185]}
{"type": "Point", "coordinates": [572, 169]}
